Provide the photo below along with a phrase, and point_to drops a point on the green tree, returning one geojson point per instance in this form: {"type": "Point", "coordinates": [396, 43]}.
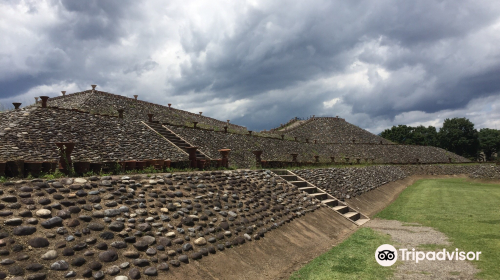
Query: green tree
{"type": "Point", "coordinates": [426, 136]}
{"type": "Point", "coordinates": [399, 134]}
{"type": "Point", "coordinates": [459, 136]}
{"type": "Point", "coordinates": [489, 142]}
{"type": "Point", "coordinates": [419, 135]}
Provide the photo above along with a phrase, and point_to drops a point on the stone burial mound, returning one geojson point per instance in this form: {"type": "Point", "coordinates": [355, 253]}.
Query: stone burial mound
{"type": "Point", "coordinates": [108, 130]}
{"type": "Point", "coordinates": [138, 226]}
{"type": "Point", "coordinates": [273, 149]}
{"type": "Point", "coordinates": [30, 134]}
{"type": "Point", "coordinates": [332, 130]}
{"type": "Point", "coordinates": [107, 103]}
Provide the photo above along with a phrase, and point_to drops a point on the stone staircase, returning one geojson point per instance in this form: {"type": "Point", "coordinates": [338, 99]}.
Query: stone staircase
{"type": "Point", "coordinates": [175, 139]}
{"type": "Point", "coordinates": [295, 124]}
{"type": "Point", "coordinates": [325, 198]}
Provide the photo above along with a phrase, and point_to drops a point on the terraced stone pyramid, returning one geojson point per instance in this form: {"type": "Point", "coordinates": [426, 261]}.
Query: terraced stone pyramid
{"type": "Point", "coordinates": [31, 134]}
{"type": "Point", "coordinates": [90, 119]}
{"type": "Point", "coordinates": [107, 103]}
{"type": "Point", "coordinates": [331, 130]}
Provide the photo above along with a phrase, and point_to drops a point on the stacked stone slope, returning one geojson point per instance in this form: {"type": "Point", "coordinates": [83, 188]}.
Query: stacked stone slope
{"type": "Point", "coordinates": [137, 227]}
{"type": "Point", "coordinates": [346, 183]}
{"type": "Point", "coordinates": [279, 150]}
{"type": "Point", "coordinates": [31, 134]}
{"type": "Point", "coordinates": [107, 103]}
{"type": "Point", "coordinates": [333, 130]}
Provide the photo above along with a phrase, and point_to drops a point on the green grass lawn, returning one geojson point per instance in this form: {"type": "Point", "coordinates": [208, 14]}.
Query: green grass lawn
{"type": "Point", "coordinates": [468, 213]}
{"type": "Point", "coordinates": [353, 259]}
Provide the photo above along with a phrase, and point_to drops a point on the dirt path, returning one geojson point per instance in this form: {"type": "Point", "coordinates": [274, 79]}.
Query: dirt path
{"type": "Point", "coordinates": [410, 236]}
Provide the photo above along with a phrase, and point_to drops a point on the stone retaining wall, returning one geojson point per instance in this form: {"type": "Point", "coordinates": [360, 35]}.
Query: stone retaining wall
{"type": "Point", "coordinates": [279, 150]}
{"type": "Point", "coordinates": [137, 227]}
{"type": "Point", "coordinates": [345, 183]}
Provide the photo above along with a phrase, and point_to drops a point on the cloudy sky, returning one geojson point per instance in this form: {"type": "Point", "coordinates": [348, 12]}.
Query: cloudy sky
{"type": "Point", "coordinates": [260, 63]}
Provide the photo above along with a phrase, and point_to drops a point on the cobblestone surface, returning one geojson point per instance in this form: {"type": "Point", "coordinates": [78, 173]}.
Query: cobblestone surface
{"type": "Point", "coordinates": [138, 225]}
{"type": "Point", "coordinates": [345, 183]}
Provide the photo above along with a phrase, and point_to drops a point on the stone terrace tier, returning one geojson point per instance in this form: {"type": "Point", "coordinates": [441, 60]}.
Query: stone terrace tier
{"type": "Point", "coordinates": [287, 126]}
{"type": "Point", "coordinates": [332, 130]}
{"type": "Point", "coordinates": [31, 133]}
{"type": "Point", "coordinates": [279, 150]}
{"type": "Point", "coordinates": [138, 227]}
{"type": "Point", "coordinates": [107, 103]}
{"type": "Point", "coordinates": [346, 183]}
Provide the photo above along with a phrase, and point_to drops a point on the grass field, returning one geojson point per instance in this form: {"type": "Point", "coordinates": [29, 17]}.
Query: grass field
{"type": "Point", "coordinates": [468, 213]}
{"type": "Point", "coordinates": [353, 259]}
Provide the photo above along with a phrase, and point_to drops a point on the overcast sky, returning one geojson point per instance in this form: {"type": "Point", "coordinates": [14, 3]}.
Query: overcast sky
{"type": "Point", "coordinates": [260, 63]}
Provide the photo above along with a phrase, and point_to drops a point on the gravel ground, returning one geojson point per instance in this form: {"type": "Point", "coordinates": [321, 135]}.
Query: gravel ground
{"type": "Point", "coordinates": [406, 235]}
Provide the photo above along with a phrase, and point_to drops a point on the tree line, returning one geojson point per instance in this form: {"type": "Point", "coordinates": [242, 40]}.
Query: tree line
{"type": "Point", "coordinates": [457, 135]}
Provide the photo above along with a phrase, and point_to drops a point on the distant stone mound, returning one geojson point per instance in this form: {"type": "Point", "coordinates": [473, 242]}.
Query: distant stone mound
{"type": "Point", "coordinates": [332, 130]}
{"type": "Point", "coordinates": [107, 103]}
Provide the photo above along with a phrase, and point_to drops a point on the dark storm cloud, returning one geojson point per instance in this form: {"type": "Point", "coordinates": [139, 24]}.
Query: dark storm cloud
{"type": "Point", "coordinates": [255, 60]}
{"type": "Point", "coordinates": [83, 29]}
{"type": "Point", "coordinates": [274, 60]}
{"type": "Point", "coordinates": [484, 83]}
{"type": "Point", "coordinates": [94, 20]}
{"type": "Point", "coordinates": [315, 43]}
{"type": "Point", "coordinates": [141, 68]}
{"type": "Point", "coordinates": [278, 110]}
{"type": "Point", "coordinates": [19, 84]}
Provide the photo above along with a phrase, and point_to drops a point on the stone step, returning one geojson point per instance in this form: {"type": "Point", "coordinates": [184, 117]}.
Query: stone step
{"type": "Point", "coordinates": [320, 196]}
{"type": "Point", "coordinates": [175, 139]}
{"type": "Point", "coordinates": [361, 221]}
{"type": "Point", "coordinates": [313, 191]}
{"type": "Point", "coordinates": [309, 189]}
{"type": "Point", "coordinates": [299, 184]}
{"type": "Point", "coordinates": [330, 202]}
{"type": "Point", "coordinates": [341, 208]}
{"type": "Point", "coordinates": [289, 177]}
{"type": "Point", "coordinates": [352, 215]}
{"type": "Point", "coordinates": [169, 135]}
